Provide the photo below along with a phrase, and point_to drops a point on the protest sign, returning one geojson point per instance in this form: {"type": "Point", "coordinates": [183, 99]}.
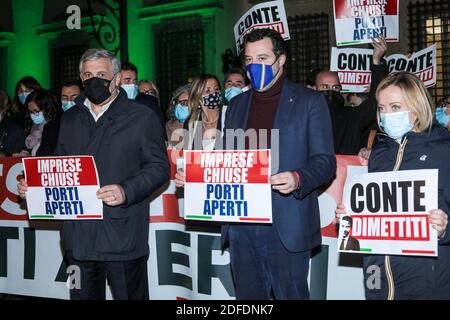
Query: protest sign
{"type": "Point", "coordinates": [359, 21]}
{"type": "Point", "coordinates": [388, 213]}
{"type": "Point", "coordinates": [34, 264]}
{"type": "Point", "coordinates": [231, 186]}
{"type": "Point", "coordinates": [353, 66]}
{"type": "Point", "coordinates": [264, 15]}
{"type": "Point", "coordinates": [62, 188]}
{"type": "Point", "coordinates": [422, 63]}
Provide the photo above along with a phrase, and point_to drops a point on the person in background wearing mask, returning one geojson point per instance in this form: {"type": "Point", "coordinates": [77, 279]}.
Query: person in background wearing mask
{"type": "Point", "coordinates": [272, 261]}
{"type": "Point", "coordinates": [356, 99]}
{"type": "Point", "coordinates": [405, 114]}
{"type": "Point", "coordinates": [128, 82]}
{"type": "Point", "coordinates": [234, 83]}
{"type": "Point", "coordinates": [12, 135]}
{"type": "Point", "coordinates": [177, 113]}
{"type": "Point", "coordinates": [23, 88]}
{"type": "Point", "coordinates": [44, 111]}
{"type": "Point", "coordinates": [149, 88]}
{"type": "Point", "coordinates": [205, 108]}
{"type": "Point", "coordinates": [128, 147]}
{"type": "Point", "coordinates": [351, 126]}
{"type": "Point", "coordinates": [69, 92]}
{"type": "Point", "coordinates": [443, 112]}
{"type": "Point", "coordinates": [129, 79]}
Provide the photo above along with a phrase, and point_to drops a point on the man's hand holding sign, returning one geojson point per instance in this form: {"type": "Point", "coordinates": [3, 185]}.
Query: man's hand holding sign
{"type": "Point", "coordinates": [228, 186]}
{"type": "Point", "coordinates": [112, 195]}
{"type": "Point", "coordinates": [66, 188]}
{"type": "Point", "coordinates": [230, 194]}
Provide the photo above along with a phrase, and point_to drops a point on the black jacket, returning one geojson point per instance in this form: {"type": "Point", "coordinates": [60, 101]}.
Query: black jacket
{"type": "Point", "coordinates": [351, 126]}
{"type": "Point", "coordinates": [12, 137]}
{"type": "Point", "coordinates": [415, 277]}
{"type": "Point", "coordinates": [128, 147]}
{"type": "Point", "coordinates": [152, 103]}
{"type": "Point", "coordinates": [49, 138]}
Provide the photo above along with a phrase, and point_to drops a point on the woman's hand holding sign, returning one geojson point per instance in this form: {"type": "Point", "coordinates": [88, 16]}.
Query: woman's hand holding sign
{"type": "Point", "coordinates": [22, 187]}
{"type": "Point", "coordinates": [339, 213]}
{"type": "Point", "coordinates": [439, 220]}
{"type": "Point", "coordinates": [180, 178]}
{"type": "Point", "coordinates": [112, 195]}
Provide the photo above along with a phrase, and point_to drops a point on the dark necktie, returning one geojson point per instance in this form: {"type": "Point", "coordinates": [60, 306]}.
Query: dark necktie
{"type": "Point", "coordinates": [342, 247]}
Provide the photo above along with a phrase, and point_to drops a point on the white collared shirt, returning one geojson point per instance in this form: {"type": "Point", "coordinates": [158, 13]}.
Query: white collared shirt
{"type": "Point", "coordinates": [88, 104]}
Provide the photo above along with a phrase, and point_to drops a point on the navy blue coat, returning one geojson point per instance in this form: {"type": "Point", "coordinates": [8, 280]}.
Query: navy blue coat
{"type": "Point", "coordinates": [305, 146]}
{"type": "Point", "coordinates": [415, 277]}
{"type": "Point", "coordinates": [127, 144]}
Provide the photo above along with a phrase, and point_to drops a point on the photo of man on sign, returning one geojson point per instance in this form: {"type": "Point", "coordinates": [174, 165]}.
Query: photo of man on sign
{"type": "Point", "coordinates": [347, 242]}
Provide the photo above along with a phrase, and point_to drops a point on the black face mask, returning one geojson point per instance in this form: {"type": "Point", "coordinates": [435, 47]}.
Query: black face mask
{"type": "Point", "coordinates": [334, 98]}
{"type": "Point", "coordinates": [97, 89]}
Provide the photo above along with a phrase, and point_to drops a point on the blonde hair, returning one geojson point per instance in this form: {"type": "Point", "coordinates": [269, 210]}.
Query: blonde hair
{"type": "Point", "coordinates": [416, 97]}
{"type": "Point", "coordinates": [195, 101]}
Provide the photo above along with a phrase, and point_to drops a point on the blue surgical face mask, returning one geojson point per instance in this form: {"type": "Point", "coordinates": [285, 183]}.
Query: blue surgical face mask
{"type": "Point", "coordinates": [181, 112]}
{"type": "Point", "coordinates": [232, 92]}
{"type": "Point", "coordinates": [261, 75]}
{"type": "Point", "coordinates": [441, 117]}
{"type": "Point", "coordinates": [66, 105]}
{"type": "Point", "coordinates": [23, 96]}
{"type": "Point", "coordinates": [131, 89]}
{"type": "Point", "coordinates": [37, 118]}
{"type": "Point", "coordinates": [396, 124]}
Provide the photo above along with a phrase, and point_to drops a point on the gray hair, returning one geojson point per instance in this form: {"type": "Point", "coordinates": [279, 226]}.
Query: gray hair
{"type": "Point", "coordinates": [175, 95]}
{"type": "Point", "coordinates": [183, 89]}
{"type": "Point", "coordinates": [94, 54]}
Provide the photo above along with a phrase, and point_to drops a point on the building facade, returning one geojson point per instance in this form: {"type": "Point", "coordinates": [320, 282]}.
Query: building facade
{"type": "Point", "coordinates": [172, 41]}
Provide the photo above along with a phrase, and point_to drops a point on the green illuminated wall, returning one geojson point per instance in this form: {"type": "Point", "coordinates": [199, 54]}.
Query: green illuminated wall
{"type": "Point", "coordinates": [27, 53]}
{"type": "Point", "coordinates": [140, 42]}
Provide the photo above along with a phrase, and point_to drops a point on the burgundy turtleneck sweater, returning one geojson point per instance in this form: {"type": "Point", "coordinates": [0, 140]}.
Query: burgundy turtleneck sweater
{"type": "Point", "coordinates": [263, 109]}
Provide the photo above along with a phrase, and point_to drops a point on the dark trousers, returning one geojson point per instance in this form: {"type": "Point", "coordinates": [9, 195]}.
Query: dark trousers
{"type": "Point", "coordinates": [263, 268]}
{"type": "Point", "coordinates": [128, 279]}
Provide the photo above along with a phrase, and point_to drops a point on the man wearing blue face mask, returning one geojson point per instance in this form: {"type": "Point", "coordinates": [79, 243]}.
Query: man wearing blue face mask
{"type": "Point", "coordinates": [234, 83]}
{"type": "Point", "coordinates": [128, 82]}
{"type": "Point", "coordinates": [129, 79]}
{"type": "Point", "coordinates": [272, 261]}
{"type": "Point", "coordinates": [69, 92]}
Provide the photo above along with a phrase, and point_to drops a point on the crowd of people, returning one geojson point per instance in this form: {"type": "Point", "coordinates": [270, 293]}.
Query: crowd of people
{"type": "Point", "coordinates": [119, 121]}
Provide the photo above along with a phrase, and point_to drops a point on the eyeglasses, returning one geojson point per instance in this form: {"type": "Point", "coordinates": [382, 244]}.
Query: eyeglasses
{"type": "Point", "coordinates": [150, 92]}
{"type": "Point", "coordinates": [446, 104]}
